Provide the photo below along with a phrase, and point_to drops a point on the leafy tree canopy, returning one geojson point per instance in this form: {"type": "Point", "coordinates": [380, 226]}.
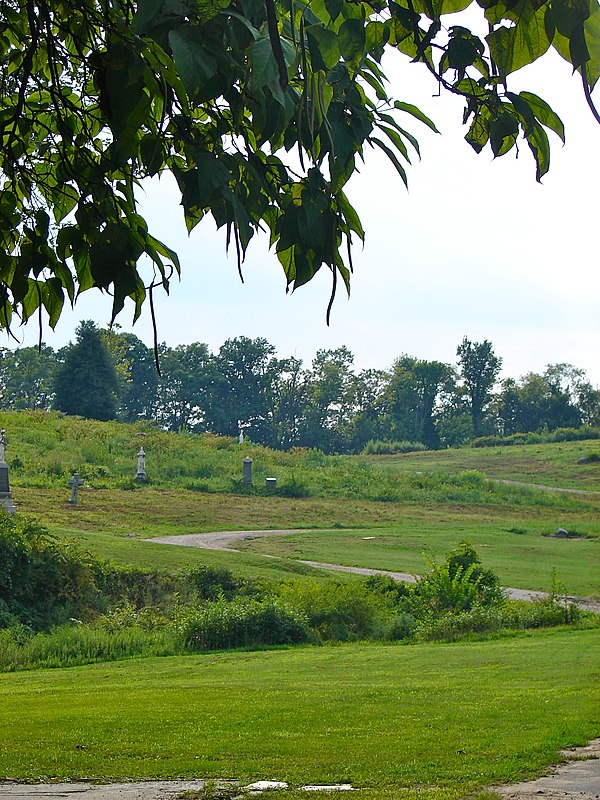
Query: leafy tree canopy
{"type": "Point", "coordinates": [96, 95]}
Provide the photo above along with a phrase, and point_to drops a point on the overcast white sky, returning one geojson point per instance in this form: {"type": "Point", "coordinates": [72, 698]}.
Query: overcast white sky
{"type": "Point", "coordinates": [475, 247]}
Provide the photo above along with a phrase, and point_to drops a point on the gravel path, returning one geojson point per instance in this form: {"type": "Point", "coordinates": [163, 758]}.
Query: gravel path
{"type": "Point", "coordinates": [549, 488]}
{"type": "Point", "coordinates": [575, 780]}
{"type": "Point", "coordinates": [223, 540]}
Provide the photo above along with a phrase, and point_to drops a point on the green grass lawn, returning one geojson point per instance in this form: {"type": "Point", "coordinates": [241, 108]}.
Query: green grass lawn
{"type": "Point", "coordinates": [113, 523]}
{"type": "Point", "coordinates": [521, 557]}
{"type": "Point", "coordinates": [550, 464]}
{"type": "Point", "coordinates": [445, 719]}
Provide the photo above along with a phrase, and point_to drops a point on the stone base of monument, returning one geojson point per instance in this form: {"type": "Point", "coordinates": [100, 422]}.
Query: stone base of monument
{"type": "Point", "coordinates": [5, 495]}
{"type": "Point", "coordinates": [7, 502]}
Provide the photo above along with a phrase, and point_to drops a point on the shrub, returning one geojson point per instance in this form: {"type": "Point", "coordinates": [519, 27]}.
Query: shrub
{"type": "Point", "coordinates": [43, 581]}
{"type": "Point", "coordinates": [293, 488]}
{"type": "Point", "coordinates": [336, 611]}
{"type": "Point", "coordinates": [379, 447]}
{"type": "Point", "coordinates": [213, 582]}
{"type": "Point", "coordinates": [457, 585]}
{"type": "Point", "coordinates": [243, 622]}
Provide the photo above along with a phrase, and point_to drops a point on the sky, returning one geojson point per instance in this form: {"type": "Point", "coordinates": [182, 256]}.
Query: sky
{"type": "Point", "coordinates": [474, 248]}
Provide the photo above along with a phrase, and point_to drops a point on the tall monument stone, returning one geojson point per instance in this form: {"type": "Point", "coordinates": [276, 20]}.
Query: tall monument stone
{"type": "Point", "coordinates": [5, 495]}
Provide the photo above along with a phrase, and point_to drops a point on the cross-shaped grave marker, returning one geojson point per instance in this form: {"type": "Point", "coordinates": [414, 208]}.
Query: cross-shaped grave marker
{"type": "Point", "coordinates": [75, 482]}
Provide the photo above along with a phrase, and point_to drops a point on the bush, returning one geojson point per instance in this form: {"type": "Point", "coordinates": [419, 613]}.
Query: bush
{"type": "Point", "coordinates": [213, 582]}
{"type": "Point", "coordinates": [43, 581]}
{"type": "Point", "coordinates": [336, 611]}
{"type": "Point", "coordinates": [378, 447]}
{"type": "Point", "coordinates": [457, 585]}
{"type": "Point", "coordinates": [243, 622]}
{"type": "Point", "coordinates": [557, 435]}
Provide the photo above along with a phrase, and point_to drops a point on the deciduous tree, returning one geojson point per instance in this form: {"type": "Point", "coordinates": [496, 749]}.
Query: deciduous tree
{"type": "Point", "coordinates": [96, 95]}
{"type": "Point", "coordinates": [479, 368]}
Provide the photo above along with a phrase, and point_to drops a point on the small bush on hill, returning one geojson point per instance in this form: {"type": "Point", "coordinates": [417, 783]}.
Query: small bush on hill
{"type": "Point", "coordinates": [43, 581]}
{"type": "Point", "coordinates": [378, 447]}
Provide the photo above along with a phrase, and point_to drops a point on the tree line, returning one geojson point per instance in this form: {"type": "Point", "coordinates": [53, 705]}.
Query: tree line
{"type": "Point", "coordinates": [281, 403]}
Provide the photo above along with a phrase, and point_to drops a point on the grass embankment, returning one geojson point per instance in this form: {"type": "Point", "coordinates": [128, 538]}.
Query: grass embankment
{"type": "Point", "coordinates": [550, 464]}
{"type": "Point", "coordinates": [443, 720]}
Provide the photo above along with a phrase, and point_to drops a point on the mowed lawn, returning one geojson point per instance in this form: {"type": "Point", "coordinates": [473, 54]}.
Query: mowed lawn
{"type": "Point", "coordinates": [444, 719]}
{"type": "Point", "coordinates": [521, 557]}
{"type": "Point", "coordinates": [113, 524]}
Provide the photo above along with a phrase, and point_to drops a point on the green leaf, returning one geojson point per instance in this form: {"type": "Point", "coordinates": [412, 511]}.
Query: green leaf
{"type": "Point", "coordinates": [264, 66]}
{"type": "Point", "coordinates": [524, 111]}
{"type": "Point", "coordinates": [195, 65]}
{"type": "Point", "coordinates": [323, 46]}
{"type": "Point", "coordinates": [513, 48]}
{"type": "Point", "coordinates": [392, 157]}
{"type": "Point", "coordinates": [540, 147]}
{"type": "Point", "coordinates": [417, 113]}
{"type": "Point", "coordinates": [352, 39]}
{"type": "Point", "coordinates": [503, 133]}
{"type": "Point", "coordinates": [478, 135]}
{"type": "Point", "coordinates": [66, 199]}
{"type": "Point", "coordinates": [591, 29]}
{"type": "Point", "coordinates": [53, 298]}
{"type": "Point", "coordinates": [544, 114]}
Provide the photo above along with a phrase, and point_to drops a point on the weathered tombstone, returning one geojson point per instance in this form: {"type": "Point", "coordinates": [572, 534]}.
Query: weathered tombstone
{"type": "Point", "coordinates": [141, 467]}
{"type": "Point", "coordinates": [247, 474]}
{"type": "Point", "coordinates": [5, 495]}
{"type": "Point", "coordinates": [241, 436]}
{"type": "Point", "coordinates": [271, 483]}
{"type": "Point", "coordinates": [75, 482]}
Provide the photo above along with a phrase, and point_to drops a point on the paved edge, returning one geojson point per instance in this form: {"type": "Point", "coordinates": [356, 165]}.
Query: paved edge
{"type": "Point", "coordinates": [576, 779]}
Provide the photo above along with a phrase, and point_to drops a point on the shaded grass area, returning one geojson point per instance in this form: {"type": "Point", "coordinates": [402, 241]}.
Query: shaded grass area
{"type": "Point", "coordinates": [452, 716]}
{"type": "Point", "coordinates": [550, 464]}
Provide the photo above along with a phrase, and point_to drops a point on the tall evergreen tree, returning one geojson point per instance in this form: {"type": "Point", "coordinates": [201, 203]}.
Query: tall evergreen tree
{"type": "Point", "coordinates": [86, 381]}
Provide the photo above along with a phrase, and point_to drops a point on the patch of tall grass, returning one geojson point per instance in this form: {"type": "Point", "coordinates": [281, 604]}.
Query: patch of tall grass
{"type": "Point", "coordinates": [76, 644]}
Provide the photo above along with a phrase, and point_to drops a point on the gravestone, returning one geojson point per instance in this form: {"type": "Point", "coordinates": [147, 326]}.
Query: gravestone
{"type": "Point", "coordinates": [75, 482]}
{"type": "Point", "coordinates": [5, 495]}
{"type": "Point", "coordinates": [141, 468]}
{"type": "Point", "coordinates": [247, 474]}
{"type": "Point", "coordinates": [271, 483]}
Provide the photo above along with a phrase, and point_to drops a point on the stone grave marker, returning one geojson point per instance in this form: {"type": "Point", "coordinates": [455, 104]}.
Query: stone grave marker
{"type": "Point", "coordinates": [75, 482]}
{"type": "Point", "coordinates": [5, 495]}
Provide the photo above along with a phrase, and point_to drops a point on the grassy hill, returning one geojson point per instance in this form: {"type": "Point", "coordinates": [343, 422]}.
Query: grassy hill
{"type": "Point", "coordinates": [415, 504]}
{"type": "Point", "coordinates": [437, 721]}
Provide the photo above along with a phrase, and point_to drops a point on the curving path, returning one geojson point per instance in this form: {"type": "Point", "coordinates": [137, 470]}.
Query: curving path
{"type": "Point", "coordinates": [547, 488]}
{"type": "Point", "coordinates": [223, 540]}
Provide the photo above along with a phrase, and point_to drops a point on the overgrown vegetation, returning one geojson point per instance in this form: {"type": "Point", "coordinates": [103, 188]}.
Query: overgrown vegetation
{"type": "Point", "coordinates": [558, 435]}
{"type": "Point", "coordinates": [378, 447]}
{"type": "Point", "coordinates": [60, 607]}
